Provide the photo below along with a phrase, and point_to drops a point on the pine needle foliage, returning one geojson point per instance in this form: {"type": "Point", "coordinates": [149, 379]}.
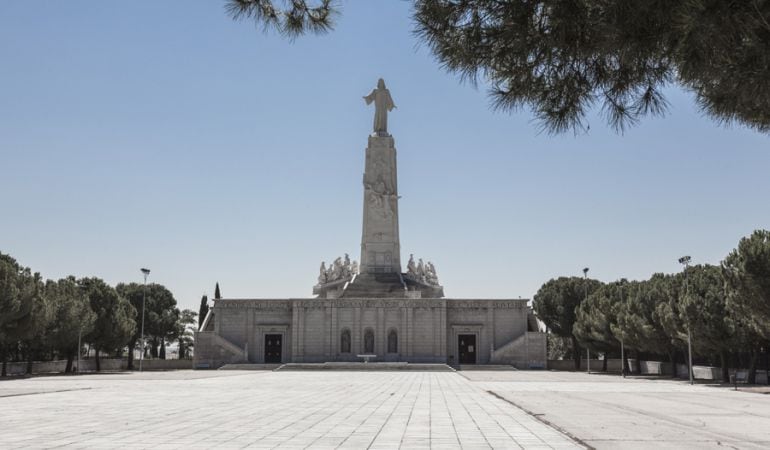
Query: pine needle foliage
{"type": "Point", "coordinates": [563, 59]}
{"type": "Point", "coordinates": [290, 18]}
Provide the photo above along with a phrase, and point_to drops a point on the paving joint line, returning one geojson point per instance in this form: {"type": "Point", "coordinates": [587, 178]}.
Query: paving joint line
{"type": "Point", "coordinates": [545, 421]}
{"type": "Point", "coordinates": [45, 392]}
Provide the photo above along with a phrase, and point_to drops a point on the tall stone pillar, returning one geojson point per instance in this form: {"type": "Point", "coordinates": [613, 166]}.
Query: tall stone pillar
{"type": "Point", "coordinates": [380, 246]}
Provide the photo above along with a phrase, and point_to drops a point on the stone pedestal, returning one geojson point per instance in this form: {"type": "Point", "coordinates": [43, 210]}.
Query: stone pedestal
{"type": "Point", "coordinates": [380, 246]}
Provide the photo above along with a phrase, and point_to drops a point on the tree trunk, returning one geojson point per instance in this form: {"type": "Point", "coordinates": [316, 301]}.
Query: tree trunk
{"type": "Point", "coordinates": [29, 364]}
{"type": "Point", "coordinates": [96, 356]}
{"type": "Point", "coordinates": [672, 359]}
{"type": "Point", "coordinates": [638, 363]}
{"type": "Point", "coordinates": [725, 367]}
{"type": "Point", "coordinates": [576, 352]}
{"type": "Point", "coordinates": [131, 346]}
{"type": "Point", "coordinates": [182, 349]}
{"type": "Point", "coordinates": [3, 357]}
{"type": "Point", "coordinates": [624, 369]}
{"type": "Point", "coordinates": [70, 357]}
{"type": "Point", "coordinates": [162, 353]}
{"type": "Point", "coordinates": [753, 357]}
{"type": "Point", "coordinates": [604, 363]}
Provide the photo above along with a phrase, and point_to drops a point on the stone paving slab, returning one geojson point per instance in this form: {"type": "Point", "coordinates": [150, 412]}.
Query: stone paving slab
{"type": "Point", "coordinates": [209, 409]}
{"type": "Point", "coordinates": [612, 412]}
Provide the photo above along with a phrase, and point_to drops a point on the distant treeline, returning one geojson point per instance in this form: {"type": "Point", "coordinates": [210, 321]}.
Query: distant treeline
{"type": "Point", "coordinates": [45, 320]}
{"type": "Point", "coordinates": [725, 308]}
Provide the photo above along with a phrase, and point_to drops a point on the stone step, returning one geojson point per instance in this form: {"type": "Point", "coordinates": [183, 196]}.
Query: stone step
{"type": "Point", "coordinates": [372, 366]}
{"type": "Point", "coordinates": [250, 367]}
{"type": "Point", "coordinates": [485, 367]}
{"type": "Point", "coordinates": [376, 285]}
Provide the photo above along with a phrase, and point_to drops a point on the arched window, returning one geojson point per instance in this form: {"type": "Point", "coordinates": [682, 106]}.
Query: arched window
{"type": "Point", "coordinates": [345, 341]}
{"type": "Point", "coordinates": [369, 341]}
{"type": "Point", "coordinates": [392, 341]}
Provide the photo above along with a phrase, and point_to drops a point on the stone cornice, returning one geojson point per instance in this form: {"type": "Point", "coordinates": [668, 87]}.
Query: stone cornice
{"type": "Point", "coordinates": [313, 303]}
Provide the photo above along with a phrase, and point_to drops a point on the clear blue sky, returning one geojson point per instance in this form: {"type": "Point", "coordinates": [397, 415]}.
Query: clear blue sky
{"type": "Point", "coordinates": [165, 135]}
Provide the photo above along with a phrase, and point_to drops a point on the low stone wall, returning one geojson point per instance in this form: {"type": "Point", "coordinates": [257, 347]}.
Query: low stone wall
{"type": "Point", "coordinates": [613, 365]}
{"type": "Point", "coordinates": [650, 368]}
{"type": "Point", "coordinates": [89, 365]}
{"type": "Point", "coordinates": [164, 364]}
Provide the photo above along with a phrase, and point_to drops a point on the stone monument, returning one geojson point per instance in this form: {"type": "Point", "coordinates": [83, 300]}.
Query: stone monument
{"type": "Point", "coordinates": [379, 273]}
{"type": "Point", "coordinates": [372, 307]}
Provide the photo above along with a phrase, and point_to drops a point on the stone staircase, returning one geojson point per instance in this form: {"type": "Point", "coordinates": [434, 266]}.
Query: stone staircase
{"type": "Point", "coordinates": [367, 367]}
{"type": "Point", "coordinates": [525, 352]}
{"type": "Point", "coordinates": [377, 285]}
{"type": "Point", "coordinates": [219, 349]}
{"type": "Point", "coordinates": [500, 367]}
{"type": "Point", "coordinates": [250, 366]}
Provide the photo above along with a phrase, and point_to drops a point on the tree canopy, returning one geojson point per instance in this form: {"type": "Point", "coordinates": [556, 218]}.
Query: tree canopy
{"type": "Point", "coordinates": [114, 322]}
{"type": "Point", "coordinates": [556, 303]}
{"type": "Point", "coordinates": [747, 272]}
{"type": "Point", "coordinates": [561, 59]}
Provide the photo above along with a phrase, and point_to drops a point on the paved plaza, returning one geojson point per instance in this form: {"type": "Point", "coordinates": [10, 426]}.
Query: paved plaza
{"type": "Point", "coordinates": [264, 409]}
{"type": "Point", "coordinates": [607, 411]}
{"type": "Point", "coordinates": [468, 409]}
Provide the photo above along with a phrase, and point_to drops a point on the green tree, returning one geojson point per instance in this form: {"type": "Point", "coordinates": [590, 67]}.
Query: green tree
{"type": "Point", "coordinates": [597, 316]}
{"type": "Point", "coordinates": [10, 304]}
{"type": "Point", "coordinates": [203, 311]}
{"type": "Point", "coordinates": [638, 324]}
{"type": "Point", "coordinates": [25, 311]}
{"type": "Point", "coordinates": [669, 314]}
{"type": "Point", "coordinates": [556, 302]}
{"type": "Point", "coordinates": [159, 316]}
{"type": "Point", "coordinates": [703, 308]}
{"type": "Point", "coordinates": [72, 317]}
{"type": "Point", "coordinates": [183, 332]}
{"type": "Point", "coordinates": [217, 294]}
{"type": "Point", "coordinates": [114, 322]}
{"type": "Point", "coordinates": [168, 321]}
{"type": "Point", "coordinates": [746, 271]}
{"type": "Point", "coordinates": [560, 59]}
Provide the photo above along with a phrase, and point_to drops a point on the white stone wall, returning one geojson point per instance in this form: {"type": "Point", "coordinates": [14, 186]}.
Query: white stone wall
{"type": "Point", "coordinates": [427, 329]}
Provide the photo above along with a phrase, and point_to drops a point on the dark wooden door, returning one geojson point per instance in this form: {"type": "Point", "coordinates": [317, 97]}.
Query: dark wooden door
{"type": "Point", "coordinates": [466, 343]}
{"type": "Point", "coordinates": [273, 348]}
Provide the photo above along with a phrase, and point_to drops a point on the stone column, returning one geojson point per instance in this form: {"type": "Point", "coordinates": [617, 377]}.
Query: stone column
{"type": "Point", "coordinates": [380, 245]}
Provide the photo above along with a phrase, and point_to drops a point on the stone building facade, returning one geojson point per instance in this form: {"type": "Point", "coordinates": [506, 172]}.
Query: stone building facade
{"type": "Point", "coordinates": [373, 308]}
{"type": "Point", "coordinates": [425, 330]}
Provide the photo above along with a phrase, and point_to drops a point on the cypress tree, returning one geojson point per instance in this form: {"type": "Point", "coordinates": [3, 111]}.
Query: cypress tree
{"type": "Point", "coordinates": [203, 311]}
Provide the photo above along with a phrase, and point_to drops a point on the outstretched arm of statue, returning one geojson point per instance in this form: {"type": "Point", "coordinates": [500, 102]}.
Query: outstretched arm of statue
{"type": "Point", "coordinates": [369, 98]}
{"type": "Point", "coordinates": [391, 103]}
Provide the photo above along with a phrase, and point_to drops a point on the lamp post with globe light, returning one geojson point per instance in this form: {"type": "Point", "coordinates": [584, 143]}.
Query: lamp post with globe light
{"type": "Point", "coordinates": [144, 297]}
{"type": "Point", "coordinates": [685, 260]}
{"type": "Point", "coordinates": [585, 296]}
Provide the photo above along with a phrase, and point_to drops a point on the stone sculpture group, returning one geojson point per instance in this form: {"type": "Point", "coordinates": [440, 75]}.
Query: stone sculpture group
{"type": "Point", "coordinates": [425, 273]}
{"type": "Point", "coordinates": [339, 269]}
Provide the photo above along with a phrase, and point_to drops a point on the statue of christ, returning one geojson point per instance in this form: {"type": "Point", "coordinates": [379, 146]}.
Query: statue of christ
{"type": "Point", "coordinates": [383, 103]}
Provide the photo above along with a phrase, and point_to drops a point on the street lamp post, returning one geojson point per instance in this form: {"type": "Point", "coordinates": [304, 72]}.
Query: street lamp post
{"type": "Point", "coordinates": [622, 350]}
{"type": "Point", "coordinates": [585, 296]}
{"type": "Point", "coordinates": [686, 261]}
{"type": "Point", "coordinates": [144, 297]}
{"type": "Point", "coordinates": [622, 360]}
{"type": "Point", "coordinates": [80, 333]}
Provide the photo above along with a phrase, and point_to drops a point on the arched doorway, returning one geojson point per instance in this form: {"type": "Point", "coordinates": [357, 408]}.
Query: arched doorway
{"type": "Point", "coordinates": [369, 341]}
{"type": "Point", "coordinates": [392, 341]}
